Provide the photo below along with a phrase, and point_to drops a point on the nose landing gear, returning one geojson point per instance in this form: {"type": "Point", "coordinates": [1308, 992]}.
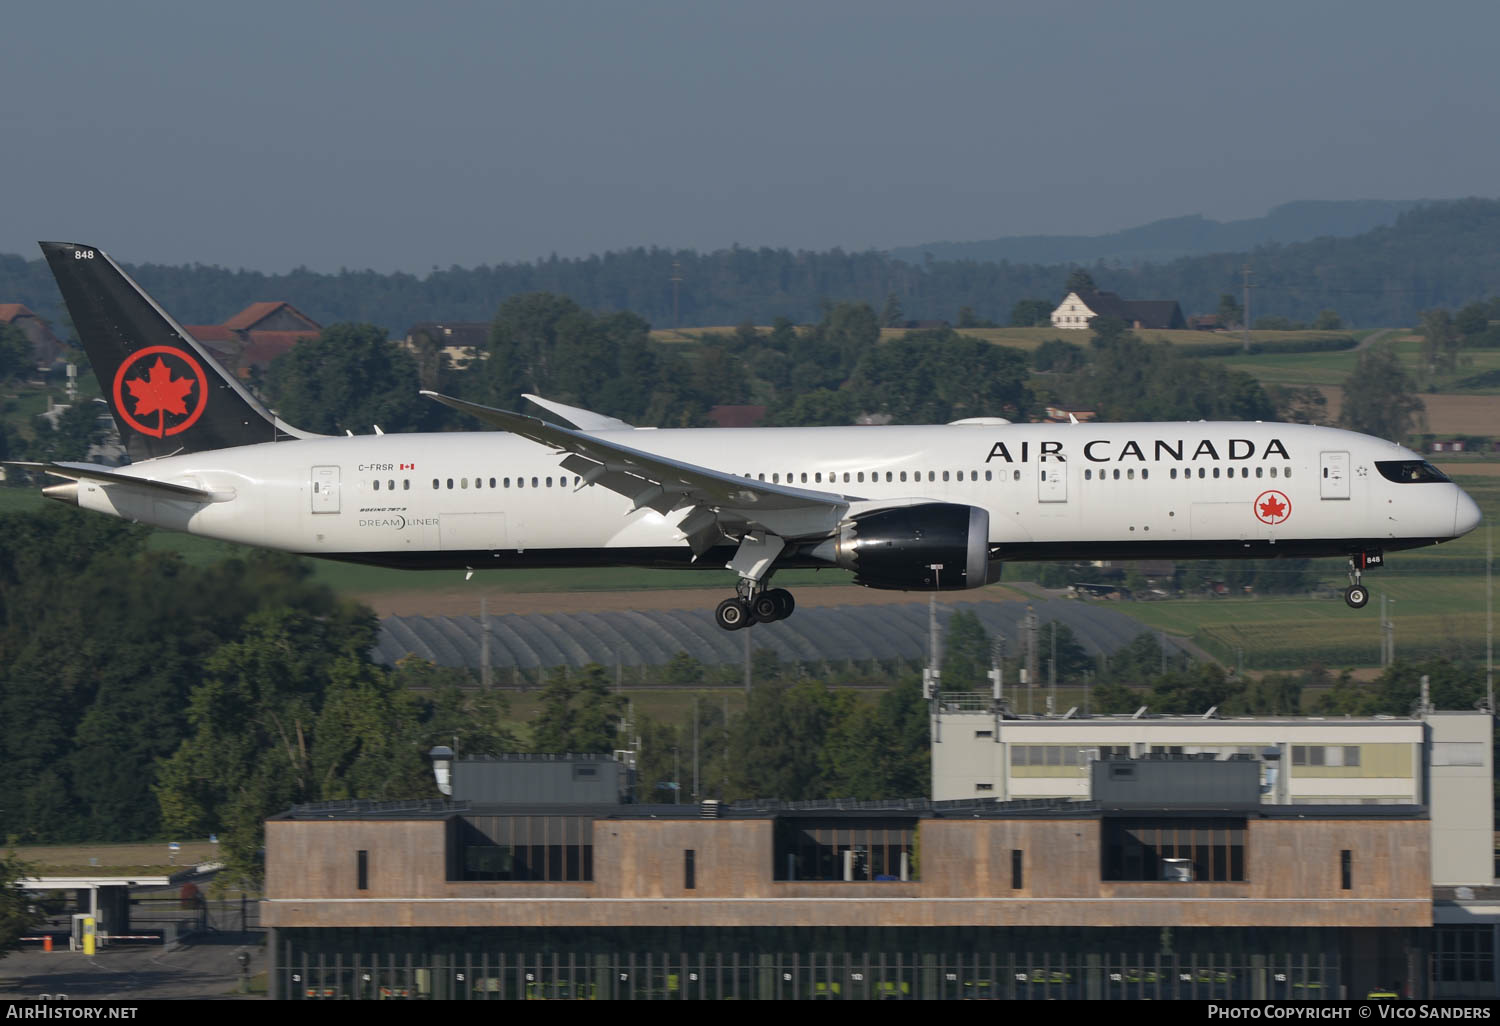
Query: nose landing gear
{"type": "Point", "coordinates": [1356, 595]}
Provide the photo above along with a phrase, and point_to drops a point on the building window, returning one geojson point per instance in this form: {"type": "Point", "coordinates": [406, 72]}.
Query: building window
{"type": "Point", "coordinates": [689, 879]}
{"type": "Point", "coordinates": [1016, 878]}
{"type": "Point", "coordinates": [550, 848]}
{"type": "Point", "coordinates": [363, 869]}
{"type": "Point", "coordinates": [849, 849]}
{"type": "Point", "coordinates": [1134, 848]}
{"type": "Point", "coordinates": [984, 787]}
{"type": "Point", "coordinates": [1346, 870]}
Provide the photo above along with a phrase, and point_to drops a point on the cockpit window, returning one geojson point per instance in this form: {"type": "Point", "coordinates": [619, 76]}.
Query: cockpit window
{"type": "Point", "coordinates": [1409, 471]}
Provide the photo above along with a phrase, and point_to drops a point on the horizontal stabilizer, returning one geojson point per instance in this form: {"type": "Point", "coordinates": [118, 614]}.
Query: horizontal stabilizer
{"type": "Point", "coordinates": [111, 476]}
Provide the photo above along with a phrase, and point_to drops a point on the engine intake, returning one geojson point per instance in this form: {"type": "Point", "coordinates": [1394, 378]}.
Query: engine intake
{"type": "Point", "coordinates": [897, 548]}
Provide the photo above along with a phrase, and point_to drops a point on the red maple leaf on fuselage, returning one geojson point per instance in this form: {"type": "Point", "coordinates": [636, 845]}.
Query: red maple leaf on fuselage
{"type": "Point", "coordinates": [1273, 508]}
{"type": "Point", "coordinates": [159, 392]}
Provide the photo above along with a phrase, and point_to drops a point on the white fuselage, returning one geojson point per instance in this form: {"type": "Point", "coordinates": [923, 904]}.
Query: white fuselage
{"type": "Point", "coordinates": [1052, 491]}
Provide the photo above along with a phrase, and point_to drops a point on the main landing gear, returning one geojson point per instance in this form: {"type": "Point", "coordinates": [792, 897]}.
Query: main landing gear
{"type": "Point", "coordinates": [753, 602]}
{"type": "Point", "coordinates": [763, 607]}
{"type": "Point", "coordinates": [1357, 594]}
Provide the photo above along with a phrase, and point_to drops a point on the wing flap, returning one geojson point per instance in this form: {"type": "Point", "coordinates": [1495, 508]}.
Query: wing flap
{"type": "Point", "coordinates": [666, 485]}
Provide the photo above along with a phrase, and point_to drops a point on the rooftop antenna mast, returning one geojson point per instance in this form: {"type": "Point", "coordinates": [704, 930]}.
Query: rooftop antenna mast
{"type": "Point", "coordinates": [1245, 333]}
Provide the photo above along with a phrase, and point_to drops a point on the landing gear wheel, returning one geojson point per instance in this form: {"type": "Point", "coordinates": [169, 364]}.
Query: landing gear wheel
{"type": "Point", "coordinates": [766, 608]}
{"type": "Point", "coordinates": [1356, 595]}
{"type": "Point", "coordinates": [733, 614]}
{"type": "Point", "coordinates": [785, 604]}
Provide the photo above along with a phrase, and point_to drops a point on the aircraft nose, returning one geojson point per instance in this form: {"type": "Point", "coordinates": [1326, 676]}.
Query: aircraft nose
{"type": "Point", "coordinates": [1466, 515]}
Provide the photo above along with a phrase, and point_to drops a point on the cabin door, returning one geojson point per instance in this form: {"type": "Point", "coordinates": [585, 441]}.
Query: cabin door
{"type": "Point", "coordinates": [325, 489]}
{"type": "Point", "coordinates": [1335, 474]}
{"type": "Point", "coordinates": [1052, 481]}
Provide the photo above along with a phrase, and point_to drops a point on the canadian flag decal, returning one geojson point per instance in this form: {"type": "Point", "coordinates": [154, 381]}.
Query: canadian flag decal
{"type": "Point", "coordinates": [408, 466]}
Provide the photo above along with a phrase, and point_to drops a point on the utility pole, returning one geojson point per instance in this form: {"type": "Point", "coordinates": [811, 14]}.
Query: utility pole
{"type": "Point", "coordinates": [695, 748]}
{"type": "Point", "coordinates": [1245, 333]}
{"type": "Point", "coordinates": [1029, 639]}
{"type": "Point", "coordinates": [1052, 671]}
{"type": "Point", "coordinates": [484, 642]}
{"type": "Point", "coordinates": [1489, 622]}
{"type": "Point", "coordinates": [746, 633]}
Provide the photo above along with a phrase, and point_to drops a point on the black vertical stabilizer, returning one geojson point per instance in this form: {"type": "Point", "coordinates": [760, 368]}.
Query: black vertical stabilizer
{"type": "Point", "coordinates": [167, 394]}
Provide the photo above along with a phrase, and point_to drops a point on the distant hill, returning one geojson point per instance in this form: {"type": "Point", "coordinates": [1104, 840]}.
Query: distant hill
{"type": "Point", "coordinates": [1440, 254]}
{"type": "Point", "coordinates": [1173, 237]}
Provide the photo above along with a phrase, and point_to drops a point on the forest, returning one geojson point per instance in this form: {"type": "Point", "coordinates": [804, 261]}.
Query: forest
{"type": "Point", "coordinates": [1440, 254]}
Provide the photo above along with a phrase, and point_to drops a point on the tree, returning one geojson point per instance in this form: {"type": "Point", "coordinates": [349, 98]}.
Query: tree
{"type": "Point", "coordinates": [932, 377]}
{"type": "Point", "coordinates": [821, 406]}
{"type": "Point", "coordinates": [1058, 357]}
{"type": "Point", "coordinates": [18, 914]}
{"type": "Point", "coordinates": [966, 653]}
{"type": "Point", "coordinates": [1080, 281]}
{"type": "Point", "coordinates": [1328, 320]}
{"type": "Point", "coordinates": [349, 378]}
{"type": "Point", "coordinates": [256, 720]}
{"type": "Point", "coordinates": [1299, 405]}
{"type": "Point", "coordinates": [682, 669]}
{"type": "Point", "coordinates": [882, 751]}
{"type": "Point", "coordinates": [580, 713]}
{"type": "Point", "coordinates": [1440, 340]}
{"type": "Point", "coordinates": [1031, 313]}
{"type": "Point", "coordinates": [892, 316]}
{"type": "Point", "coordinates": [1231, 313]}
{"type": "Point", "coordinates": [16, 357]}
{"type": "Point", "coordinates": [776, 745]}
{"type": "Point", "coordinates": [1380, 398]}
{"type": "Point", "coordinates": [70, 434]}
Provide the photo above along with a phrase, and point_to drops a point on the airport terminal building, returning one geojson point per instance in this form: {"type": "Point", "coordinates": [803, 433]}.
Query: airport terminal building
{"type": "Point", "coordinates": [1173, 879]}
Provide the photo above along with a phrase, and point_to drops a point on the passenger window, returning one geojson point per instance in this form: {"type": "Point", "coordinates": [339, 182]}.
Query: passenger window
{"type": "Point", "coordinates": [1260, 471]}
{"type": "Point", "coordinates": [1145, 473]}
{"type": "Point", "coordinates": [1130, 473]}
{"type": "Point", "coordinates": [846, 477]}
{"type": "Point", "coordinates": [1286, 472]}
{"type": "Point", "coordinates": [860, 477]}
{"type": "Point", "coordinates": [450, 484]}
{"type": "Point", "coordinates": [1273, 471]}
{"type": "Point", "coordinates": [1016, 475]}
{"type": "Point", "coordinates": [973, 475]}
{"type": "Point", "coordinates": [804, 477]}
{"type": "Point", "coordinates": [377, 485]}
{"type": "Point", "coordinates": [818, 477]}
{"type": "Point", "coordinates": [931, 475]}
{"type": "Point", "coordinates": [1088, 475]}
{"type": "Point", "coordinates": [549, 482]}
{"type": "Point", "coordinates": [1174, 473]}
{"type": "Point", "coordinates": [520, 482]}
{"type": "Point", "coordinates": [534, 484]}
{"type": "Point", "coordinates": [506, 482]}
{"type": "Point", "coordinates": [760, 477]}
{"type": "Point", "coordinates": [1117, 475]}
{"type": "Point", "coordinates": [903, 475]}
{"type": "Point", "coordinates": [463, 482]}
{"type": "Point", "coordinates": [406, 484]}
{"type": "Point", "coordinates": [945, 475]}
{"type": "Point", "coordinates": [776, 479]}
{"type": "Point", "coordinates": [1202, 473]}
{"type": "Point", "coordinates": [390, 486]}
{"type": "Point", "coordinates": [889, 477]}
{"type": "Point", "coordinates": [987, 474]}
{"type": "Point", "coordinates": [1216, 472]}
{"type": "Point", "coordinates": [434, 483]}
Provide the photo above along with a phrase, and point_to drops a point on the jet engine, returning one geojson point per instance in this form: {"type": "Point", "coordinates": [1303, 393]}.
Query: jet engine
{"type": "Point", "coordinates": [932, 546]}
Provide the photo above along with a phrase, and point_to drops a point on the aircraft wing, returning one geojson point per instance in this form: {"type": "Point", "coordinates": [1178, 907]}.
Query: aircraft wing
{"type": "Point", "coordinates": [110, 476]}
{"type": "Point", "coordinates": [723, 506]}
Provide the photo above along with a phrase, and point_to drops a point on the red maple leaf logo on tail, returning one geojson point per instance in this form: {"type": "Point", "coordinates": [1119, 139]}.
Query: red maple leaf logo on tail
{"type": "Point", "coordinates": [160, 393]}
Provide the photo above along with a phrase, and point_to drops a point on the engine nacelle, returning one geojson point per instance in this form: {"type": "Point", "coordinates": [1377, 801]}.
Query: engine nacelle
{"type": "Point", "coordinates": [897, 548]}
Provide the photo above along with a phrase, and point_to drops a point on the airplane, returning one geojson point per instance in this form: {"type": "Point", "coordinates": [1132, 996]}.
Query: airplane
{"type": "Point", "coordinates": [920, 508]}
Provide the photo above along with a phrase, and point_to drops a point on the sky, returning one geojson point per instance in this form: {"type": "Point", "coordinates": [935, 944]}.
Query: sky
{"type": "Point", "coordinates": [408, 136]}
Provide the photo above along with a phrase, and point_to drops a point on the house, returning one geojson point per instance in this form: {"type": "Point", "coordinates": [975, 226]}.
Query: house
{"type": "Point", "coordinates": [459, 342]}
{"type": "Point", "coordinates": [1075, 312]}
{"type": "Point", "coordinates": [256, 335]}
{"type": "Point", "coordinates": [737, 416]}
{"type": "Point", "coordinates": [45, 346]}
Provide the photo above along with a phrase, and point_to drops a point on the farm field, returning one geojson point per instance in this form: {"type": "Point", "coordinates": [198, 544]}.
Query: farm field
{"type": "Point", "coordinates": [1031, 338]}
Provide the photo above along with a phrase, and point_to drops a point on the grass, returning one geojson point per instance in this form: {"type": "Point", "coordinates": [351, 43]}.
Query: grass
{"type": "Point", "coordinates": [135, 859]}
